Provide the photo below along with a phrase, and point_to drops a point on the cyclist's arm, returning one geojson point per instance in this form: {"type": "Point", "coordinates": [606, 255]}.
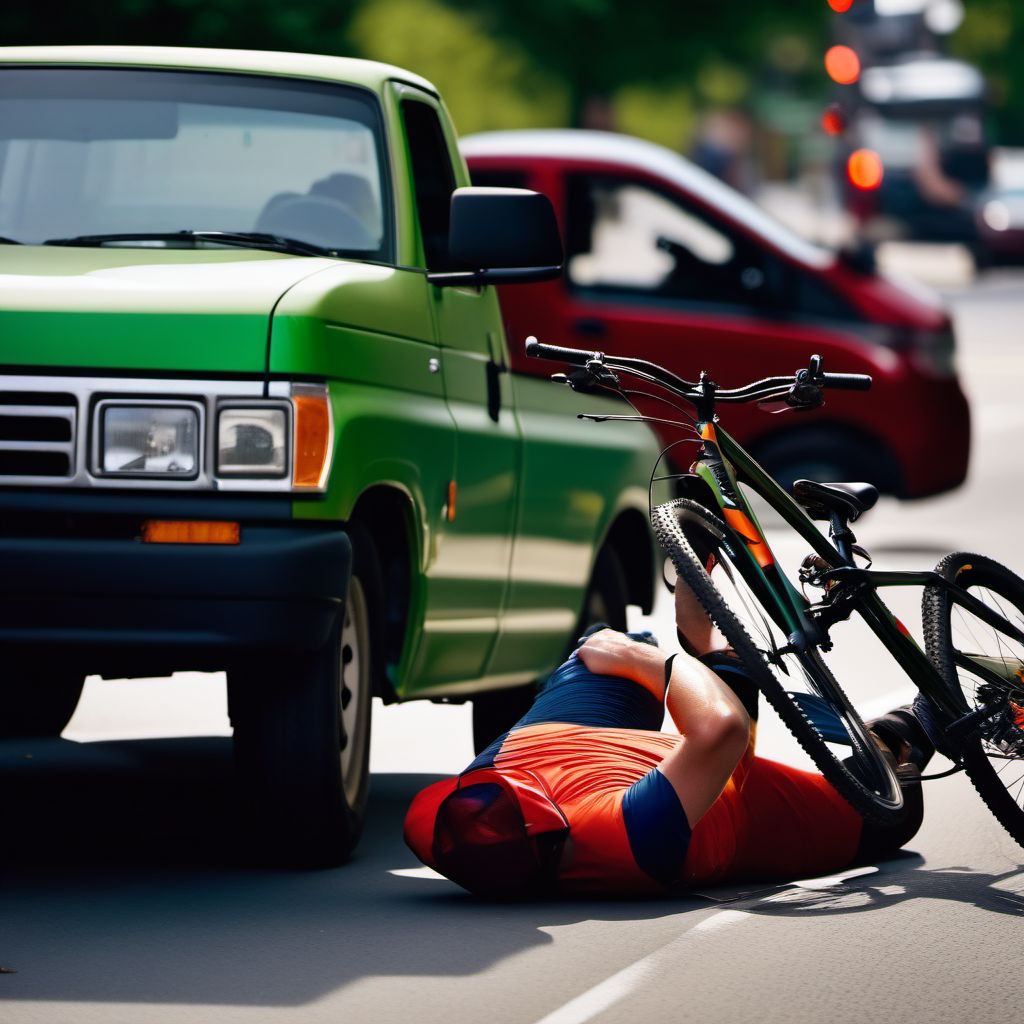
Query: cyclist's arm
{"type": "Point", "coordinates": [715, 727]}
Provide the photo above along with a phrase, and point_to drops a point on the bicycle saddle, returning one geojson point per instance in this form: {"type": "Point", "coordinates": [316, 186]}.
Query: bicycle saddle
{"type": "Point", "coordinates": [849, 501]}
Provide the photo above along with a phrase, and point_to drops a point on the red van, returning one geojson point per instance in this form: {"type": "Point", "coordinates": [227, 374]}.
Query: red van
{"type": "Point", "coordinates": [665, 262]}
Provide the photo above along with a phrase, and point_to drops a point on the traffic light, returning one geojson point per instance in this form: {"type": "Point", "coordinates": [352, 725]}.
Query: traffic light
{"type": "Point", "coordinates": [864, 169]}
{"type": "Point", "coordinates": [842, 64]}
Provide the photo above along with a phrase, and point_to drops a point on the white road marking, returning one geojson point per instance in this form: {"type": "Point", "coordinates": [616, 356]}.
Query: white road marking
{"type": "Point", "coordinates": [605, 994]}
{"type": "Point", "coordinates": [417, 873]}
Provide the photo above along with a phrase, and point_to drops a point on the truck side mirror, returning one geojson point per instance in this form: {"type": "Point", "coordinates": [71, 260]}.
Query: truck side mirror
{"type": "Point", "coordinates": [501, 236]}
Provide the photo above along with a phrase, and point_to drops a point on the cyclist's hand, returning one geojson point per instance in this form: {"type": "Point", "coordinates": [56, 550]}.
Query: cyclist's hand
{"type": "Point", "coordinates": [611, 653]}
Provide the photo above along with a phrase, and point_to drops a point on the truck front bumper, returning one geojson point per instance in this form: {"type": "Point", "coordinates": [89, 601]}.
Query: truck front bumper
{"type": "Point", "coordinates": [116, 605]}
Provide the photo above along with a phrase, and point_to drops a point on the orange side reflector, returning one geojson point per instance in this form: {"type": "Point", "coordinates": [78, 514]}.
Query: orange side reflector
{"type": "Point", "coordinates": [452, 492]}
{"type": "Point", "coordinates": [312, 439]}
{"type": "Point", "coordinates": [168, 531]}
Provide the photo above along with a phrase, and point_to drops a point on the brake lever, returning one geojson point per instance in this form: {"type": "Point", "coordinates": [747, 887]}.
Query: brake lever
{"type": "Point", "coordinates": [804, 395]}
{"type": "Point", "coordinates": [585, 382]}
{"type": "Point", "coordinates": [807, 384]}
{"type": "Point", "coordinates": [601, 373]}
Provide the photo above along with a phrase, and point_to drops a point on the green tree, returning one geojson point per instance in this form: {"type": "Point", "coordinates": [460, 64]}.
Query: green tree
{"type": "Point", "coordinates": [309, 25]}
{"type": "Point", "coordinates": [598, 47]}
{"type": "Point", "coordinates": [486, 83]}
{"type": "Point", "coordinates": [992, 36]}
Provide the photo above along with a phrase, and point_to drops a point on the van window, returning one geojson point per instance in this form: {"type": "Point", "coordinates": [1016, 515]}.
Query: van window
{"type": "Point", "coordinates": [434, 177]}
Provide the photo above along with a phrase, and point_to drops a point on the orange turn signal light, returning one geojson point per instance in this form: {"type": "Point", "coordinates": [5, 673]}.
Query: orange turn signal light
{"type": "Point", "coordinates": [312, 437]}
{"type": "Point", "coordinates": [189, 531]}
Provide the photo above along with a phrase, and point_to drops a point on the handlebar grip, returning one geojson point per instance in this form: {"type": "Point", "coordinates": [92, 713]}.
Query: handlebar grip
{"type": "Point", "coordinates": [575, 356]}
{"type": "Point", "coordinates": [846, 381]}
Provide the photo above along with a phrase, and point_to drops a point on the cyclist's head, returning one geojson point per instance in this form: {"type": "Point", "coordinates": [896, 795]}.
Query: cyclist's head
{"type": "Point", "coordinates": [499, 836]}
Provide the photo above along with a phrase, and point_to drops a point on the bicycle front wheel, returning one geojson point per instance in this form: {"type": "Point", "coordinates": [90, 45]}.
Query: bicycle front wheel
{"type": "Point", "coordinates": [984, 668]}
{"type": "Point", "coordinates": [799, 686]}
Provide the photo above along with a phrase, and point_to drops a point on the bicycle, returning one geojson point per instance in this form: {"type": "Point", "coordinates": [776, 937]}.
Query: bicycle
{"type": "Point", "coordinates": [975, 687]}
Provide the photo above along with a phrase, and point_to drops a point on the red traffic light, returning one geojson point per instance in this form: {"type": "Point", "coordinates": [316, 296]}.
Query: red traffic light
{"type": "Point", "coordinates": [833, 120]}
{"type": "Point", "coordinates": [842, 65]}
{"type": "Point", "coordinates": [864, 169]}
{"type": "Point", "coordinates": [840, 6]}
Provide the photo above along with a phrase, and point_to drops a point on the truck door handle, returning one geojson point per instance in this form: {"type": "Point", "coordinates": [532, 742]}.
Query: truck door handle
{"type": "Point", "coordinates": [493, 372]}
{"type": "Point", "coordinates": [591, 327]}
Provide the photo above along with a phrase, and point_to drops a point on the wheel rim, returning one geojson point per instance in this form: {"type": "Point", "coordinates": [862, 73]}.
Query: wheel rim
{"type": "Point", "coordinates": [353, 689]}
{"type": "Point", "coordinates": [998, 680]}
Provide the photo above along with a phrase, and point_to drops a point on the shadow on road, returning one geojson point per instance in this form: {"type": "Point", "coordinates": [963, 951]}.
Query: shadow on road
{"type": "Point", "coordinates": [901, 879]}
{"type": "Point", "coordinates": [120, 883]}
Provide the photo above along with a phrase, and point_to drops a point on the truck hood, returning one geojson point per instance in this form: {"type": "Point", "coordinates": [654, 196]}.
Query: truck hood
{"type": "Point", "coordinates": [167, 310]}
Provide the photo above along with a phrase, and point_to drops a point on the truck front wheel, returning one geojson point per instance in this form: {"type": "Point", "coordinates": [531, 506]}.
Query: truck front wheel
{"type": "Point", "coordinates": [302, 734]}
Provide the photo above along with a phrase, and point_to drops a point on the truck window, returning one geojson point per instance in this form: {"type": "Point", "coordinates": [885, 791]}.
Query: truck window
{"type": "Point", "coordinates": [114, 150]}
{"type": "Point", "coordinates": [434, 177]}
{"type": "Point", "coordinates": [627, 238]}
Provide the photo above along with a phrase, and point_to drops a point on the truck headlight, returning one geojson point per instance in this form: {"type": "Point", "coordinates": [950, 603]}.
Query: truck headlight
{"type": "Point", "coordinates": [149, 440]}
{"type": "Point", "coordinates": [252, 442]}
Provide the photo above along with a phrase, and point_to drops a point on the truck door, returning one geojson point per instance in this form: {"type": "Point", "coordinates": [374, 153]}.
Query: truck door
{"type": "Point", "coordinates": [469, 577]}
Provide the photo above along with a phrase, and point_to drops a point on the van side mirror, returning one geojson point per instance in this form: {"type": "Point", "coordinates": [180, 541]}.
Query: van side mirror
{"type": "Point", "coordinates": [501, 236]}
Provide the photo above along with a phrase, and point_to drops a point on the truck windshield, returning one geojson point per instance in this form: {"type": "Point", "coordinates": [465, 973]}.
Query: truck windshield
{"type": "Point", "coordinates": [112, 151]}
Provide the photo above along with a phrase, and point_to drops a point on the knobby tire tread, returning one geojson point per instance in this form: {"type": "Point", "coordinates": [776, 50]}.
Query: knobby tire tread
{"type": "Point", "coordinates": [935, 613]}
{"type": "Point", "coordinates": [687, 565]}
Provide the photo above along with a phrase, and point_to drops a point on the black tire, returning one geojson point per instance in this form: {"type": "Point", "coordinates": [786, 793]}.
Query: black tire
{"type": "Point", "coordinates": [607, 594]}
{"type": "Point", "coordinates": [864, 779]}
{"type": "Point", "coordinates": [949, 628]}
{"type": "Point", "coordinates": [36, 701]}
{"type": "Point", "coordinates": [827, 454]}
{"type": "Point", "coordinates": [302, 732]}
{"type": "Point", "coordinates": [605, 601]}
{"type": "Point", "coordinates": [496, 712]}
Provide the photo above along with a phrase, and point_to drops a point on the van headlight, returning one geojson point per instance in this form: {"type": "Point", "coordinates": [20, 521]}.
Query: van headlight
{"type": "Point", "coordinates": [252, 442]}
{"type": "Point", "coordinates": [137, 440]}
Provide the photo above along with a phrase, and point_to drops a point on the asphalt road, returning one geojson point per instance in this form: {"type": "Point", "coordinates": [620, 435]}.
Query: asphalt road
{"type": "Point", "coordinates": [122, 900]}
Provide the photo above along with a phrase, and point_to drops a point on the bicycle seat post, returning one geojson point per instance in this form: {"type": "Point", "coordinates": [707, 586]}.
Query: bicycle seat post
{"type": "Point", "coordinates": [842, 536]}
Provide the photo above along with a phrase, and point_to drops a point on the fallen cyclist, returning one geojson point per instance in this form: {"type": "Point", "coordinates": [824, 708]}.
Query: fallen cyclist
{"type": "Point", "coordinates": [586, 794]}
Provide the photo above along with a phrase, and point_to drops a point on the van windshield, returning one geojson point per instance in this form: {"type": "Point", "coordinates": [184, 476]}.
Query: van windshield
{"type": "Point", "coordinates": [113, 151]}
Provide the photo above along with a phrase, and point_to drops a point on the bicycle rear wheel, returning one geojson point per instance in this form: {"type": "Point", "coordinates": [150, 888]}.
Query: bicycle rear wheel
{"type": "Point", "coordinates": [799, 686]}
{"type": "Point", "coordinates": [984, 667]}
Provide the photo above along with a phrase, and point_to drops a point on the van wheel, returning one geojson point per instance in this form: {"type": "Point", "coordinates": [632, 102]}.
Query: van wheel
{"type": "Point", "coordinates": [302, 733]}
{"type": "Point", "coordinates": [37, 702]}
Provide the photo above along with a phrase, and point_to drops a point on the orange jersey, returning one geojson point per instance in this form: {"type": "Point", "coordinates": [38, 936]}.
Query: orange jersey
{"type": "Point", "coordinates": [771, 820]}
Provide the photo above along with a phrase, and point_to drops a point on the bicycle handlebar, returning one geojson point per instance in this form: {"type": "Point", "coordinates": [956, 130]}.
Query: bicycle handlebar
{"type": "Point", "coordinates": [846, 381]}
{"type": "Point", "coordinates": [812, 378]}
{"type": "Point", "coordinates": [574, 356]}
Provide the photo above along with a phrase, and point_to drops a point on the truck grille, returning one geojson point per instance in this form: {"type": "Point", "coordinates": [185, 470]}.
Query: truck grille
{"type": "Point", "coordinates": [37, 434]}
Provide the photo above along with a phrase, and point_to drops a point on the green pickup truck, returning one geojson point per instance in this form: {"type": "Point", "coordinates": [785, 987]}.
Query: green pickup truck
{"type": "Point", "coordinates": [256, 415]}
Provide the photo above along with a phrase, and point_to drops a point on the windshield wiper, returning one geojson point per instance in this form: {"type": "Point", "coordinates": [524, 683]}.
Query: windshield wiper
{"type": "Point", "coordinates": [241, 239]}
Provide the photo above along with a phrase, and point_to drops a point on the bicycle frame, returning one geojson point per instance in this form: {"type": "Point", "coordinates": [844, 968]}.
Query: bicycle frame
{"type": "Point", "coordinates": [722, 465]}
